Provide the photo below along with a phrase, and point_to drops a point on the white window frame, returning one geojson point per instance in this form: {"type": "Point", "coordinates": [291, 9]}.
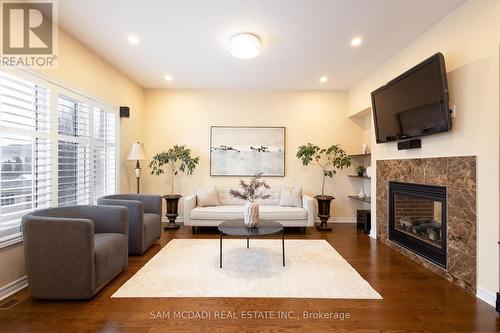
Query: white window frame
{"type": "Point", "coordinates": [60, 89]}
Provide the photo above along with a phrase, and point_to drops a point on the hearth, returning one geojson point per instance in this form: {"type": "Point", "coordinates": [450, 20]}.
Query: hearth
{"type": "Point", "coordinates": [417, 219]}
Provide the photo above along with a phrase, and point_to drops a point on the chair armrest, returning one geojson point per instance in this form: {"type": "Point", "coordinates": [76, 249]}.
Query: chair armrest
{"type": "Point", "coordinates": [135, 208]}
{"type": "Point", "coordinates": [309, 205]}
{"type": "Point", "coordinates": [59, 256]}
{"type": "Point", "coordinates": [189, 205]}
{"type": "Point", "coordinates": [152, 203]}
{"type": "Point", "coordinates": [113, 219]}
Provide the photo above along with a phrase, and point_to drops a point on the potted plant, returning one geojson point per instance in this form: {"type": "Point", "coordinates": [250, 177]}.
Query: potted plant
{"type": "Point", "coordinates": [250, 192]}
{"type": "Point", "coordinates": [360, 170]}
{"type": "Point", "coordinates": [174, 160]}
{"type": "Point", "coordinates": [329, 160]}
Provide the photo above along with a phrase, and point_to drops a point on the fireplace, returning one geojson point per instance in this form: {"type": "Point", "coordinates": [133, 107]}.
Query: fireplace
{"type": "Point", "coordinates": [417, 219]}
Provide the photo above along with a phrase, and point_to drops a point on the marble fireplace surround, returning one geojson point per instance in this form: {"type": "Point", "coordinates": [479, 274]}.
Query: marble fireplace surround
{"type": "Point", "coordinates": [458, 174]}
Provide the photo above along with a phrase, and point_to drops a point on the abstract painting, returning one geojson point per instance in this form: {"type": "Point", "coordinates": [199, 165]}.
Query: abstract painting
{"type": "Point", "coordinates": [246, 151]}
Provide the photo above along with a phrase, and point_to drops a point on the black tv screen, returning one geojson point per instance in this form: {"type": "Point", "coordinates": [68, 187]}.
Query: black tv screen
{"type": "Point", "coordinates": [414, 104]}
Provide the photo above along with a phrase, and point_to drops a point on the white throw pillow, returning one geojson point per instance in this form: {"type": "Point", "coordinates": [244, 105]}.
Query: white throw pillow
{"type": "Point", "coordinates": [207, 197]}
{"type": "Point", "coordinates": [291, 197]}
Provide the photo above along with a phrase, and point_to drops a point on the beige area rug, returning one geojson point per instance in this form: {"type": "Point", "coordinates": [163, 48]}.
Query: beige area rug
{"type": "Point", "coordinates": [190, 268]}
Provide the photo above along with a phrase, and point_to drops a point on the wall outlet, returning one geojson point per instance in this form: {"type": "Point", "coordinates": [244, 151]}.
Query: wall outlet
{"type": "Point", "coordinates": [453, 111]}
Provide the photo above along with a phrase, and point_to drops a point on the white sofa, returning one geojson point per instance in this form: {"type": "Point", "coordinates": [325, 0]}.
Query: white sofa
{"type": "Point", "coordinates": [232, 208]}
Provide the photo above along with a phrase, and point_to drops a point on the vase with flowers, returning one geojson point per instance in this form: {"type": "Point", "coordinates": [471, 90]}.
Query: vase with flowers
{"type": "Point", "coordinates": [250, 192]}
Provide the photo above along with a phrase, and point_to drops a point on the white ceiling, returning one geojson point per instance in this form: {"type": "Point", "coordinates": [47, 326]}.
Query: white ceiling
{"type": "Point", "coordinates": [302, 39]}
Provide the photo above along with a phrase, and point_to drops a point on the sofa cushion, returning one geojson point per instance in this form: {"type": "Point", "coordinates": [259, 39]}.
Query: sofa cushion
{"type": "Point", "coordinates": [152, 228]}
{"type": "Point", "coordinates": [225, 198]}
{"type": "Point", "coordinates": [291, 197]}
{"type": "Point", "coordinates": [207, 197]}
{"type": "Point", "coordinates": [110, 255]}
{"type": "Point", "coordinates": [228, 212]}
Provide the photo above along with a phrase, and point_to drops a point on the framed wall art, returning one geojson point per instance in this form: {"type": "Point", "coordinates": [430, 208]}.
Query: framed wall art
{"type": "Point", "coordinates": [246, 151]}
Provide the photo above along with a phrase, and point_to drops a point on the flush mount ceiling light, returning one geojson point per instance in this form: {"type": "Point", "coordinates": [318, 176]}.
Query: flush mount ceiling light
{"type": "Point", "coordinates": [323, 79]}
{"type": "Point", "coordinates": [132, 39]}
{"type": "Point", "coordinates": [168, 78]}
{"type": "Point", "coordinates": [356, 41]}
{"type": "Point", "coordinates": [245, 45]}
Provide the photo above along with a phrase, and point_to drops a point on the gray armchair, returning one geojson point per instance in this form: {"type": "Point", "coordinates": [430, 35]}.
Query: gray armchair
{"type": "Point", "coordinates": [73, 252]}
{"type": "Point", "coordinates": [144, 213]}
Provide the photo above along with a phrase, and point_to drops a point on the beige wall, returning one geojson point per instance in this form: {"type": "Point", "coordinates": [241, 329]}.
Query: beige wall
{"type": "Point", "coordinates": [81, 69]}
{"type": "Point", "coordinates": [469, 39]}
{"type": "Point", "coordinates": [184, 117]}
{"type": "Point", "coordinates": [86, 72]}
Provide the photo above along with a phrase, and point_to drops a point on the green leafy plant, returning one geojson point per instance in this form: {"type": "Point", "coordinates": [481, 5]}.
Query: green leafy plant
{"type": "Point", "coordinates": [328, 159]}
{"type": "Point", "coordinates": [360, 170]}
{"type": "Point", "coordinates": [251, 191]}
{"type": "Point", "coordinates": [176, 159]}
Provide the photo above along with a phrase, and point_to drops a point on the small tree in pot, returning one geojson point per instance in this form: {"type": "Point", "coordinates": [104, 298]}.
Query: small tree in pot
{"type": "Point", "coordinates": [329, 160]}
{"type": "Point", "coordinates": [174, 160]}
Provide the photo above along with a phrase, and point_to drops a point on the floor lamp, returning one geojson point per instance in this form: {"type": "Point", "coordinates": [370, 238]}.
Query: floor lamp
{"type": "Point", "coordinates": [137, 154]}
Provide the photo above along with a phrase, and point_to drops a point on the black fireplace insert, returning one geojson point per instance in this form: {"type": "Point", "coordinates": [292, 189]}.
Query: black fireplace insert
{"type": "Point", "coordinates": [417, 219]}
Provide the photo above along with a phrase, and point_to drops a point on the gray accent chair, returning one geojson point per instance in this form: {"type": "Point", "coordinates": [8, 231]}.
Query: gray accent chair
{"type": "Point", "coordinates": [73, 252]}
{"type": "Point", "coordinates": [144, 212]}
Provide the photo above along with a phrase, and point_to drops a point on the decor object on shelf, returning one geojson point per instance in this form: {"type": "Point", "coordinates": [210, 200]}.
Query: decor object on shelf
{"type": "Point", "coordinates": [176, 159]}
{"type": "Point", "coordinates": [245, 45]}
{"type": "Point", "coordinates": [329, 160]}
{"type": "Point", "coordinates": [246, 151]}
{"type": "Point", "coordinates": [250, 192]}
{"type": "Point", "coordinates": [362, 193]}
{"type": "Point", "coordinates": [364, 148]}
{"type": "Point", "coordinates": [360, 170]}
{"type": "Point", "coordinates": [369, 171]}
{"type": "Point", "coordinates": [137, 154]}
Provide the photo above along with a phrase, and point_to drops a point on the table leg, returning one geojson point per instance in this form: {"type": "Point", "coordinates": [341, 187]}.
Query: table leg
{"type": "Point", "coordinates": [283, 245]}
{"type": "Point", "coordinates": [248, 244]}
{"type": "Point", "coordinates": [220, 251]}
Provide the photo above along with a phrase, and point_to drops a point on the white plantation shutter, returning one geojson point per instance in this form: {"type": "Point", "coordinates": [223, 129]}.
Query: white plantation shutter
{"type": "Point", "coordinates": [74, 159]}
{"type": "Point", "coordinates": [25, 176]}
{"type": "Point", "coordinates": [57, 148]}
{"type": "Point", "coordinates": [104, 146]}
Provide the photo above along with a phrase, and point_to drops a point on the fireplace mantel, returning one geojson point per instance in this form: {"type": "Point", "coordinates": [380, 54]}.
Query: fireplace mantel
{"type": "Point", "coordinates": [458, 175]}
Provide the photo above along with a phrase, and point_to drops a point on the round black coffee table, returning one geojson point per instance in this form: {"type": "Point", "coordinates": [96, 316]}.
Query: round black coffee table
{"type": "Point", "coordinates": [239, 229]}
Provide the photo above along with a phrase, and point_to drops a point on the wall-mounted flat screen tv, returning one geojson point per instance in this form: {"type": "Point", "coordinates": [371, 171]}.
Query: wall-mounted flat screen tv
{"type": "Point", "coordinates": [414, 104]}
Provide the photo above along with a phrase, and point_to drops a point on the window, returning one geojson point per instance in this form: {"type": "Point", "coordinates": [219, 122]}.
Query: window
{"type": "Point", "coordinates": [104, 152]}
{"type": "Point", "coordinates": [73, 149]}
{"type": "Point", "coordinates": [24, 152]}
{"type": "Point", "coordinates": [38, 117]}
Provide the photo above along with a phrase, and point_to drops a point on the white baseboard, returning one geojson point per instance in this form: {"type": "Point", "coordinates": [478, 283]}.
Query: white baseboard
{"type": "Point", "coordinates": [13, 287]}
{"type": "Point", "coordinates": [373, 234]}
{"type": "Point", "coordinates": [487, 296]}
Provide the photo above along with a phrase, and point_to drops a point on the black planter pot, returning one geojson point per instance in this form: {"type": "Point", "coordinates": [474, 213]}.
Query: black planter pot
{"type": "Point", "coordinates": [172, 201]}
{"type": "Point", "coordinates": [324, 202]}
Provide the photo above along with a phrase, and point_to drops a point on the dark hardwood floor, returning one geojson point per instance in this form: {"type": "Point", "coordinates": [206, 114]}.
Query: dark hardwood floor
{"type": "Point", "coordinates": [414, 300]}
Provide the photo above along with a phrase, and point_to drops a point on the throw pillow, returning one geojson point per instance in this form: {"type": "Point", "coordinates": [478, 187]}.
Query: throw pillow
{"type": "Point", "coordinates": [291, 197]}
{"type": "Point", "coordinates": [207, 197]}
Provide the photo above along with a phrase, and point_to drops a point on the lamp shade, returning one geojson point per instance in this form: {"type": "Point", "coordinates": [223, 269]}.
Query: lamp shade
{"type": "Point", "coordinates": [137, 152]}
